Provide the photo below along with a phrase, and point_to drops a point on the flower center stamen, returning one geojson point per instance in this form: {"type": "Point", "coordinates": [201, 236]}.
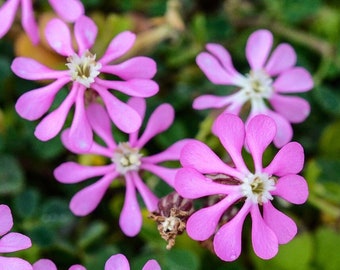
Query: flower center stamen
{"type": "Point", "coordinates": [258, 84]}
{"type": "Point", "coordinates": [83, 69]}
{"type": "Point", "coordinates": [126, 158]}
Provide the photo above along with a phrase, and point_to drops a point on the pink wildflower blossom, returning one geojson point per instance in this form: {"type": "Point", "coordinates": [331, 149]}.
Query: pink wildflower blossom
{"type": "Point", "coordinates": [255, 189]}
{"type": "Point", "coordinates": [269, 79]}
{"type": "Point", "coordinates": [127, 161]}
{"type": "Point", "coordinates": [83, 72]}
{"type": "Point", "coordinates": [69, 10]}
{"type": "Point", "coordinates": [11, 242]}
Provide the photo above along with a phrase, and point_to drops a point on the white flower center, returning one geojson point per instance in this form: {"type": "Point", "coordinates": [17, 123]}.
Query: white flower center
{"type": "Point", "coordinates": [126, 158]}
{"type": "Point", "coordinates": [257, 187]}
{"type": "Point", "coordinates": [83, 69]}
{"type": "Point", "coordinates": [257, 84]}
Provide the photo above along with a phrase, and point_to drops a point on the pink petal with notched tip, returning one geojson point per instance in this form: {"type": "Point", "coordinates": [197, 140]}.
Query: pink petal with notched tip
{"type": "Point", "coordinates": [203, 223]}
{"type": "Point", "coordinates": [227, 240]}
{"type": "Point", "coordinates": [213, 69]}
{"type": "Point", "coordinates": [130, 219]}
{"type": "Point", "coordinates": [28, 21]}
{"type": "Point", "coordinates": [264, 240]}
{"type": "Point", "coordinates": [289, 160]}
{"type": "Point", "coordinates": [117, 262]}
{"type": "Point", "coordinates": [15, 263]}
{"type": "Point", "coordinates": [59, 37]}
{"type": "Point", "coordinates": [72, 172]}
{"type": "Point", "coordinates": [293, 188]}
{"type": "Point", "coordinates": [135, 68]}
{"type": "Point", "coordinates": [122, 115]}
{"type": "Point", "coordinates": [294, 109]}
{"type": "Point", "coordinates": [6, 220]}
{"type": "Point", "coordinates": [151, 265]}
{"type": "Point", "coordinates": [230, 130]}
{"type": "Point", "coordinates": [87, 199]}
{"type": "Point", "coordinates": [7, 15]}
{"type": "Point", "coordinates": [118, 46]}
{"type": "Point", "coordinates": [85, 31]}
{"type": "Point", "coordinates": [35, 103]}
{"type": "Point", "coordinates": [150, 200]}
{"type": "Point", "coordinates": [282, 58]}
{"type": "Point", "coordinates": [44, 264]}
{"type": "Point", "coordinates": [294, 80]}
{"type": "Point", "coordinates": [51, 124]}
{"type": "Point", "coordinates": [199, 156]}
{"type": "Point", "coordinates": [68, 10]}
{"type": "Point", "coordinates": [31, 69]}
{"type": "Point", "coordinates": [134, 87]}
{"type": "Point", "coordinates": [283, 226]}
{"type": "Point", "coordinates": [258, 48]}
{"type": "Point", "coordinates": [13, 242]}
{"type": "Point", "coordinates": [189, 183]}
{"type": "Point", "coordinates": [260, 132]}
{"type": "Point", "coordinates": [160, 120]}
{"type": "Point", "coordinates": [166, 174]}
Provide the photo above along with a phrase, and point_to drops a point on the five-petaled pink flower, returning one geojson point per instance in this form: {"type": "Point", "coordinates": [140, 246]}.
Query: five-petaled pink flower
{"type": "Point", "coordinates": [201, 166]}
{"type": "Point", "coordinates": [127, 161]}
{"type": "Point", "coordinates": [68, 10]}
{"type": "Point", "coordinates": [83, 71]}
{"type": "Point", "coordinates": [269, 80]}
{"type": "Point", "coordinates": [11, 242]}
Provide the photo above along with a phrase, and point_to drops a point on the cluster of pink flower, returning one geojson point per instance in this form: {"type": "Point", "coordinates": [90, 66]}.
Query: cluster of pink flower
{"type": "Point", "coordinates": [203, 173]}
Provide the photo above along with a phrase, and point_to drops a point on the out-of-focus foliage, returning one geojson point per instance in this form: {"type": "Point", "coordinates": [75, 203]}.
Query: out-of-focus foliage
{"type": "Point", "coordinates": [173, 33]}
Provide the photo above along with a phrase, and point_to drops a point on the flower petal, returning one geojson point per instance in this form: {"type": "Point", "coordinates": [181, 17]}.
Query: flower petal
{"type": "Point", "coordinates": [117, 262]}
{"type": "Point", "coordinates": [258, 47]}
{"type": "Point", "coordinates": [283, 226]}
{"type": "Point", "coordinates": [160, 120]}
{"type": "Point", "coordinates": [198, 155]}
{"type": "Point", "coordinates": [149, 198]}
{"type": "Point", "coordinates": [284, 131]}
{"type": "Point", "coordinates": [264, 240]}
{"type": "Point", "coordinates": [28, 21]}
{"type": "Point", "coordinates": [72, 172]}
{"type": "Point", "coordinates": [230, 130]}
{"type": "Point", "coordinates": [15, 263]}
{"type": "Point", "coordinates": [7, 15]}
{"type": "Point", "coordinates": [77, 267]}
{"type": "Point", "coordinates": [87, 199]}
{"type": "Point", "coordinates": [289, 160]}
{"type": "Point", "coordinates": [227, 240]}
{"type": "Point", "coordinates": [189, 183]}
{"type": "Point", "coordinates": [260, 132]}
{"type": "Point", "coordinates": [140, 67]}
{"type": "Point", "coordinates": [296, 79]}
{"type": "Point", "coordinates": [44, 264]}
{"type": "Point", "coordinates": [13, 242]}
{"type": "Point", "coordinates": [210, 101]}
{"type": "Point", "coordinates": [166, 174]}
{"type": "Point", "coordinates": [282, 58]}
{"type": "Point", "coordinates": [139, 105]}
{"type": "Point", "coordinates": [68, 10]}
{"type": "Point", "coordinates": [85, 31]}
{"type": "Point", "coordinates": [294, 109]}
{"type": "Point", "coordinates": [6, 221]}
{"type": "Point", "coordinates": [293, 188]}
{"type": "Point", "coordinates": [59, 37]}
{"type": "Point", "coordinates": [31, 69]}
{"type": "Point", "coordinates": [130, 219]}
{"type": "Point", "coordinates": [118, 46]}
{"type": "Point", "coordinates": [151, 265]}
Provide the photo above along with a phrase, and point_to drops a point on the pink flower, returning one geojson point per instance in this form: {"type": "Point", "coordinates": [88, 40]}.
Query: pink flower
{"type": "Point", "coordinates": [127, 160]}
{"type": "Point", "coordinates": [83, 72]}
{"type": "Point", "coordinates": [115, 262]}
{"type": "Point", "coordinates": [11, 242]}
{"type": "Point", "coordinates": [256, 190]}
{"type": "Point", "coordinates": [269, 79]}
{"type": "Point", "coordinates": [69, 10]}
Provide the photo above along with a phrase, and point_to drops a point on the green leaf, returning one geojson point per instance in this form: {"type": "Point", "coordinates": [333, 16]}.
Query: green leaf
{"type": "Point", "coordinates": [11, 175]}
{"type": "Point", "coordinates": [93, 232]}
{"type": "Point", "coordinates": [26, 203]}
{"type": "Point", "coordinates": [328, 99]}
{"type": "Point", "coordinates": [56, 213]}
{"type": "Point", "coordinates": [42, 236]}
{"type": "Point", "coordinates": [329, 141]}
{"type": "Point", "coordinates": [180, 259]}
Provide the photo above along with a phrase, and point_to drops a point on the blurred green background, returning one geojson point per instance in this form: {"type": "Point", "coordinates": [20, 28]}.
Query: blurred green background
{"type": "Point", "coordinates": [173, 33]}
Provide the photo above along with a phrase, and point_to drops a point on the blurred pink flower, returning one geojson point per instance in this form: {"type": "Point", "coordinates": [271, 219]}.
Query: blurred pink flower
{"type": "Point", "coordinates": [201, 166]}
{"type": "Point", "coordinates": [68, 10]}
{"type": "Point", "coordinates": [126, 161]}
{"type": "Point", "coordinates": [269, 79]}
{"type": "Point", "coordinates": [11, 242]}
{"type": "Point", "coordinates": [45, 264]}
{"type": "Point", "coordinates": [83, 72]}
